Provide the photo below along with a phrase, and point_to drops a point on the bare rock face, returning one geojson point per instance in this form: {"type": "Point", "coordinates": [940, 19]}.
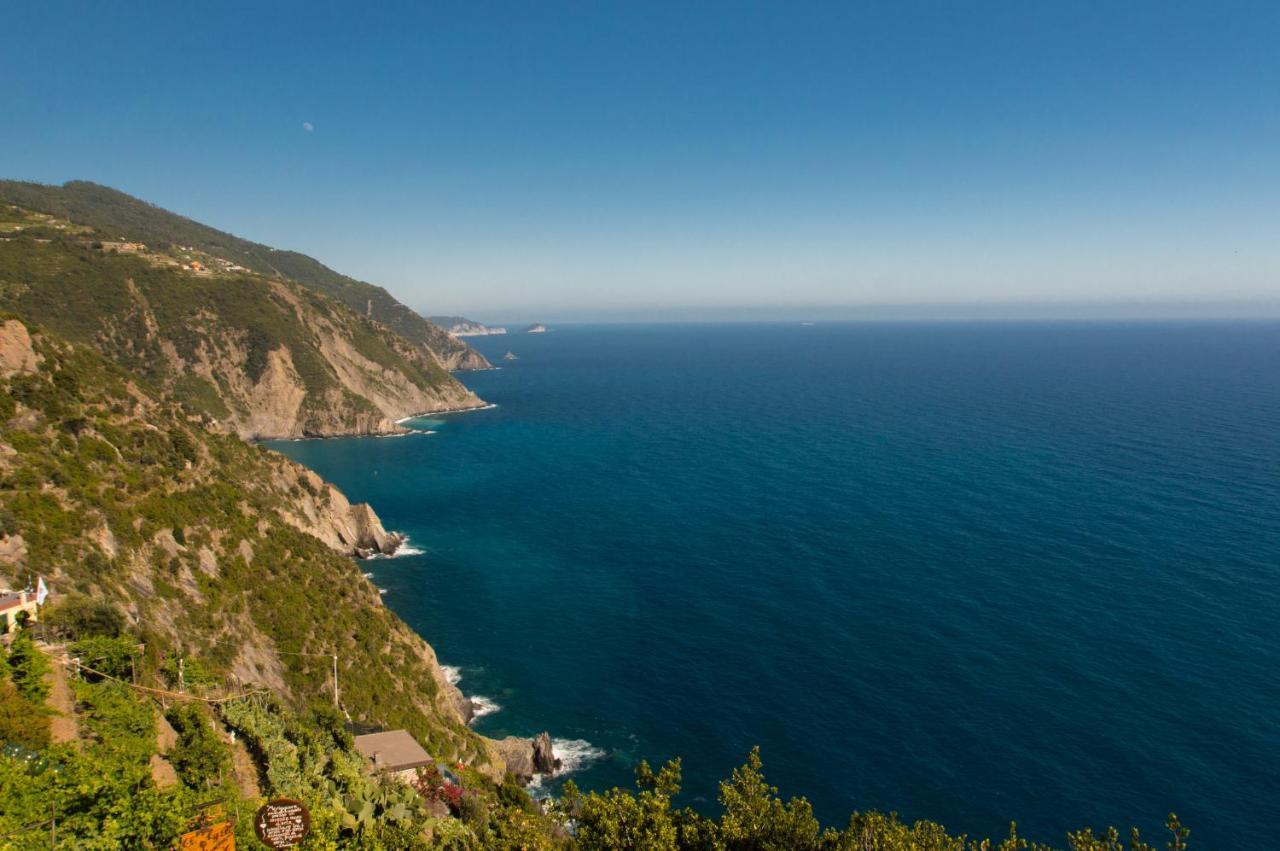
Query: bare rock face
{"type": "Point", "coordinates": [16, 352]}
{"type": "Point", "coordinates": [369, 533]}
{"type": "Point", "coordinates": [464, 359]}
{"type": "Point", "coordinates": [322, 510]}
{"type": "Point", "coordinates": [527, 757]}
{"type": "Point", "coordinates": [13, 550]}
{"type": "Point", "coordinates": [544, 760]}
{"type": "Point", "coordinates": [517, 753]}
{"type": "Point", "coordinates": [274, 403]}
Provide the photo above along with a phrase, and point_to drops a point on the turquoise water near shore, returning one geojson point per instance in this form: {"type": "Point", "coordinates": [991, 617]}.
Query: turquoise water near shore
{"type": "Point", "coordinates": [971, 572]}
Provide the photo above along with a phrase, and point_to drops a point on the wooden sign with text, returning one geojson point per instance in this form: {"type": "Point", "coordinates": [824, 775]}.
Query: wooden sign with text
{"type": "Point", "coordinates": [282, 823]}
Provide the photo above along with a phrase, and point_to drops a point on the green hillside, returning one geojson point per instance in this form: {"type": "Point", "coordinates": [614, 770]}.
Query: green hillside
{"type": "Point", "coordinates": [265, 355]}
{"type": "Point", "coordinates": [114, 495]}
{"type": "Point", "coordinates": [121, 216]}
{"type": "Point", "coordinates": [162, 541]}
{"type": "Point", "coordinates": [202, 580]}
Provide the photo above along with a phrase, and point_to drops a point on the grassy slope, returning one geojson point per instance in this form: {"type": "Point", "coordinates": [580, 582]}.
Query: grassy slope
{"type": "Point", "coordinates": [122, 215]}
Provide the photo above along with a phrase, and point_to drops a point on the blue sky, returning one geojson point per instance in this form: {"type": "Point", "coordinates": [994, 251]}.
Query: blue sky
{"type": "Point", "coordinates": [574, 159]}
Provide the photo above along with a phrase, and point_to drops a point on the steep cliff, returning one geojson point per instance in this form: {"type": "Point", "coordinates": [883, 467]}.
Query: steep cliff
{"type": "Point", "coordinates": [215, 548]}
{"type": "Point", "coordinates": [122, 217]}
{"type": "Point", "coordinates": [264, 356]}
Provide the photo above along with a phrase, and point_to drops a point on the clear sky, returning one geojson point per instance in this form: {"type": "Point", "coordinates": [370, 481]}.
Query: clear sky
{"type": "Point", "coordinates": [563, 159]}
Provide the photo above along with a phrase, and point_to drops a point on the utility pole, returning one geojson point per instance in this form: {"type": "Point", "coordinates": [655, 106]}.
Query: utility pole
{"type": "Point", "coordinates": [182, 680]}
{"type": "Point", "coordinates": [335, 681]}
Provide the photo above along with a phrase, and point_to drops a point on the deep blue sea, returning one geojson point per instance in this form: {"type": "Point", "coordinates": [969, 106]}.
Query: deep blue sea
{"type": "Point", "coordinates": [969, 572]}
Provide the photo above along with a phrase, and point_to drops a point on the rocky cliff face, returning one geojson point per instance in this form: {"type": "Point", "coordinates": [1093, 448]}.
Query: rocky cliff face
{"type": "Point", "coordinates": [320, 509]}
{"type": "Point", "coordinates": [460, 326]}
{"type": "Point", "coordinates": [464, 358]}
{"type": "Point", "coordinates": [526, 758]}
{"type": "Point", "coordinates": [265, 357]}
{"type": "Point", "coordinates": [224, 551]}
{"type": "Point", "coordinates": [117, 214]}
{"type": "Point", "coordinates": [133, 486]}
{"type": "Point", "coordinates": [16, 353]}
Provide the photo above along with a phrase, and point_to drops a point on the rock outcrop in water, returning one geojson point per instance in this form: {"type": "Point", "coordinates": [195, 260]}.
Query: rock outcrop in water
{"type": "Point", "coordinates": [544, 759]}
{"type": "Point", "coordinates": [320, 509]}
{"type": "Point", "coordinates": [526, 758]}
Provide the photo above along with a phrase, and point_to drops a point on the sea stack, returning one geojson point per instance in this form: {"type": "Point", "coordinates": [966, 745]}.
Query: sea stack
{"type": "Point", "coordinates": [544, 759]}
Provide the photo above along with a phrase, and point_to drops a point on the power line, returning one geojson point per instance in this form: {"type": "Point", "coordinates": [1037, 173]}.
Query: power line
{"type": "Point", "coordinates": [164, 692]}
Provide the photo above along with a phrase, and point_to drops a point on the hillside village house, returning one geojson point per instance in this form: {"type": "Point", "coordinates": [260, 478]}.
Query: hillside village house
{"type": "Point", "coordinates": [16, 607]}
{"type": "Point", "coordinates": [394, 752]}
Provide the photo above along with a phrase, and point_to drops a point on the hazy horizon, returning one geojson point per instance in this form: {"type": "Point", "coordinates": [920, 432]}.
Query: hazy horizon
{"type": "Point", "coordinates": [571, 160]}
{"type": "Point", "coordinates": [1208, 310]}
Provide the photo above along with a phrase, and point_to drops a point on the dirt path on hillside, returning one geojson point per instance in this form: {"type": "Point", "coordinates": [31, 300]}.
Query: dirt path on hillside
{"type": "Point", "coordinates": [62, 724]}
{"type": "Point", "coordinates": [245, 770]}
{"type": "Point", "coordinates": [162, 772]}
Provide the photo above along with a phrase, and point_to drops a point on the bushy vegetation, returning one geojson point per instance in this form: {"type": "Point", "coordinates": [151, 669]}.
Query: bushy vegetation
{"type": "Point", "coordinates": [24, 721]}
{"type": "Point", "coordinates": [114, 656]}
{"type": "Point", "coordinates": [159, 322]}
{"type": "Point", "coordinates": [199, 757]}
{"type": "Point", "coordinates": [119, 215]}
{"type": "Point", "coordinates": [755, 818]}
{"type": "Point", "coordinates": [27, 668]}
{"type": "Point", "coordinates": [78, 616]}
{"type": "Point", "coordinates": [168, 550]}
{"type": "Point", "coordinates": [127, 503]}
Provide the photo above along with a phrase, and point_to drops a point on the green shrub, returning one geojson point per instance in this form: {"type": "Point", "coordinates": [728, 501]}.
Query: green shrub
{"type": "Point", "coordinates": [114, 656]}
{"type": "Point", "coordinates": [120, 725]}
{"type": "Point", "coordinates": [27, 667]}
{"type": "Point", "coordinates": [194, 674]}
{"type": "Point", "coordinates": [21, 721]}
{"type": "Point", "coordinates": [199, 757]}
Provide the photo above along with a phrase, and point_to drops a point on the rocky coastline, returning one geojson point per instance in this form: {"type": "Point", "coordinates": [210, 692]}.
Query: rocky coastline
{"type": "Point", "coordinates": [357, 531]}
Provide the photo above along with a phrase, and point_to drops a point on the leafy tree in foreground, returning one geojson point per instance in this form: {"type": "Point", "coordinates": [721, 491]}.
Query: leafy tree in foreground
{"type": "Point", "coordinates": [622, 820]}
{"type": "Point", "coordinates": [84, 617]}
{"type": "Point", "coordinates": [755, 818]}
{"type": "Point", "coordinates": [199, 757]}
{"type": "Point", "coordinates": [27, 667]}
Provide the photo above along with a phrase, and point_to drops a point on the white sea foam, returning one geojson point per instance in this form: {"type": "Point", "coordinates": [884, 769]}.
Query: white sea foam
{"type": "Point", "coordinates": [482, 706]}
{"type": "Point", "coordinates": [411, 431]}
{"type": "Point", "coordinates": [452, 674]}
{"type": "Point", "coordinates": [575, 754]}
{"type": "Point", "coordinates": [368, 574]}
{"type": "Point", "coordinates": [405, 549]}
{"type": "Point", "coordinates": [382, 591]}
{"type": "Point", "coordinates": [428, 414]}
